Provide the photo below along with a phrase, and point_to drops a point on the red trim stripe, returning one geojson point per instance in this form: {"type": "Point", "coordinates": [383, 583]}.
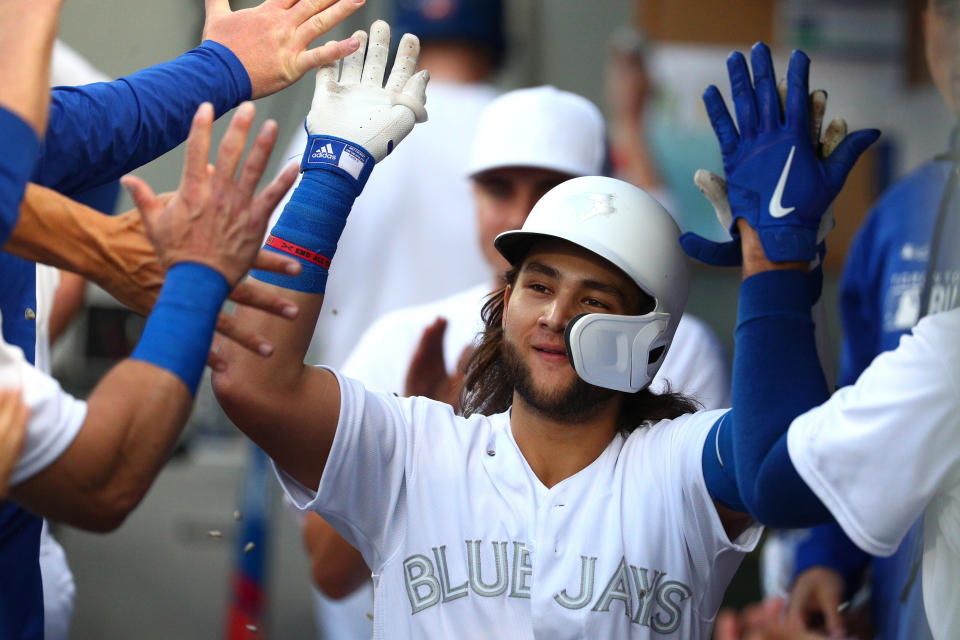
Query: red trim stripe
{"type": "Point", "coordinates": [298, 251]}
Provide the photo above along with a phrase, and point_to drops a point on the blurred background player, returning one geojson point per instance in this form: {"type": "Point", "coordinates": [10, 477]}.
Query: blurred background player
{"type": "Point", "coordinates": [413, 237]}
{"type": "Point", "coordinates": [880, 301]}
{"type": "Point", "coordinates": [527, 142]}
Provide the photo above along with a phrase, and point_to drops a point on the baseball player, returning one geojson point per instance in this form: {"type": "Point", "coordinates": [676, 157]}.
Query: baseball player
{"type": "Point", "coordinates": [852, 452]}
{"type": "Point", "coordinates": [99, 132]}
{"type": "Point", "coordinates": [516, 157]}
{"type": "Point", "coordinates": [880, 300]}
{"type": "Point", "coordinates": [90, 463]}
{"type": "Point", "coordinates": [571, 501]}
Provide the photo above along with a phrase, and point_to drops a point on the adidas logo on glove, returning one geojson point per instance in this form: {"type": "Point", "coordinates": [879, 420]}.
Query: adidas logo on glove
{"type": "Point", "coordinates": [324, 153]}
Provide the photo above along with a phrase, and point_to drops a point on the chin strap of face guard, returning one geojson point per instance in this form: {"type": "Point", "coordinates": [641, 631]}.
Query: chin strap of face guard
{"type": "Point", "coordinates": [617, 352]}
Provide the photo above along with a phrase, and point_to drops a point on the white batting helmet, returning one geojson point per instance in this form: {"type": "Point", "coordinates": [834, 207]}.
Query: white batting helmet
{"type": "Point", "coordinates": [629, 228]}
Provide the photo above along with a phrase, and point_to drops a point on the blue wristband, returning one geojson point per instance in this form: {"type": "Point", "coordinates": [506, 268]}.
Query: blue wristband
{"type": "Point", "coordinates": [180, 327]}
{"type": "Point", "coordinates": [310, 227]}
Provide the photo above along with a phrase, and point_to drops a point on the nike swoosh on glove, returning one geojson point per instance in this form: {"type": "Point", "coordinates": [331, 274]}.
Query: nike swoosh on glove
{"type": "Point", "coordinates": [775, 180]}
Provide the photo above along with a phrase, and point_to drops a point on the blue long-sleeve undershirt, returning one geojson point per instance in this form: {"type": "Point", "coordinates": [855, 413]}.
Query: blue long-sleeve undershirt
{"type": "Point", "coordinates": [776, 377]}
{"type": "Point", "coordinates": [99, 132]}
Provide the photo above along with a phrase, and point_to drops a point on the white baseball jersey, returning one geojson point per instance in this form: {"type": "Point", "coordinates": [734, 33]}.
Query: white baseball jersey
{"type": "Point", "coordinates": [900, 424]}
{"type": "Point", "coordinates": [55, 416]}
{"type": "Point", "coordinates": [695, 365]}
{"type": "Point", "coordinates": [466, 542]}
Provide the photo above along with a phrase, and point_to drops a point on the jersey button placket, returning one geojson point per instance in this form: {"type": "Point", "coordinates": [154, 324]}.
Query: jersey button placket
{"type": "Point", "coordinates": [556, 516]}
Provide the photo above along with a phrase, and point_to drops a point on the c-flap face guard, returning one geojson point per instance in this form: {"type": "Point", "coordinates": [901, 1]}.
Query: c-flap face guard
{"type": "Point", "coordinates": [617, 352]}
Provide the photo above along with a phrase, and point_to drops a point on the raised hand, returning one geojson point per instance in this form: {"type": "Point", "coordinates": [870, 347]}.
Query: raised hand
{"type": "Point", "coordinates": [272, 40]}
{"type": "Point", "coordinates": [214, 218]}
{"type": "Point", "coordinates": [352, 103]}
{"type": "Point", "coordinates": [761, 621]}
{"type": "Point", "coordinates": [817, 593]}
{"type": "Point", "coordinates": [427, 375]}
{"type": "Point", "coordinates": [714, 188]}
{"type": "Point", "coordinates": [775, 180]}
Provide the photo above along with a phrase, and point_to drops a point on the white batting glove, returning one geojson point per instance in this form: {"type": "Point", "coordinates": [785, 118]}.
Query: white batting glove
{"type": "Point", "coordinates": [352, 105]}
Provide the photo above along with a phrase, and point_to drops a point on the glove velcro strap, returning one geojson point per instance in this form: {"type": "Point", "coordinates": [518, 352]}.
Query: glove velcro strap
{"type": "Point", "coordinates": [341, 156]}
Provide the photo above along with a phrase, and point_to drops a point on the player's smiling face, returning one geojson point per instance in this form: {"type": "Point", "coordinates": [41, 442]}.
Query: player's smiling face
{"type": "Point", "coordinates": [557, 281]}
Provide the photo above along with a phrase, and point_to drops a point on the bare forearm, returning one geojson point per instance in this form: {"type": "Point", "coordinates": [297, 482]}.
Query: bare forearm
{"type": "Point", "coordinates": [27, 30]}
{"type": "Point", "coordinates": [289, 409]}
{"type": "Point", "coordinates": [134, 417]}
{"type": "Point", "coordinates": [110, 251]}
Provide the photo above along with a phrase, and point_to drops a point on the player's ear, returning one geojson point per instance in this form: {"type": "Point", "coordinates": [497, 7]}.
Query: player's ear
{"type": "Point", "coordinates": [506, 301]}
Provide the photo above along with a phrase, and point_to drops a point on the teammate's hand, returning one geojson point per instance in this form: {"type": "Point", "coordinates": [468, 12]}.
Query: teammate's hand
{"type": "Point", "coordinates": [427, 375]}
{"type": "Point", "coordinates": [353, 104]}
{"type": "Point", "coordinates": [714, 188]}
{"type": "Point", "coordinates": [775, 181]}
{"type": "Point", "coordinates": [627, 84]}
{"type": "Point", "coordinates": [214, 218]}
{"type": "Point", "coordinates": [272, 40]}
{"type": "Point", "coordinates": [761, 621]}
{"type": "Point", "coordinates": [13, 429]}
{"type": "Point", "coordinates": [817, 593]}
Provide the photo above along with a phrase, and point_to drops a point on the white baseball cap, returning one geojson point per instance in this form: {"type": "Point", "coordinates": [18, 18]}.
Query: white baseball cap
{"type": "Point", "coordinates": [542, 127]}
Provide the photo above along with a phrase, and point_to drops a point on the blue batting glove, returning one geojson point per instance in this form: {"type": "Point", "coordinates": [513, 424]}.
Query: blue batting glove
{"type": "Point", "coordinates": [775, 181]}
{"type": "Point", "coordinates": [717, 254]}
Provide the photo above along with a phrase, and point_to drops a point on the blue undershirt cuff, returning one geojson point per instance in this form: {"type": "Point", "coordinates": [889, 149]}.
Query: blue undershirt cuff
{"type": "Point", "coordinates": [238, 72]}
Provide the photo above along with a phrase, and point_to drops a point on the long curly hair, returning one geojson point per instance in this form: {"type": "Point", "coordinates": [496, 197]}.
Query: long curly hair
{"type": "Point", "coordinates": [488, 387]}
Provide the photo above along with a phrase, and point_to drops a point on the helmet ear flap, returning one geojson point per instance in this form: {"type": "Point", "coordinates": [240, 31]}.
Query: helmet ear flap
{"type": "Point", "coordinates": [617, 352]}
{"type": "Point", "coordinates": [566, 337]}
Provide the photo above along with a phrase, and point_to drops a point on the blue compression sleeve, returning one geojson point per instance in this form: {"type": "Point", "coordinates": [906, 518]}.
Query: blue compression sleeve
{"type": "Point", "coordinates": [309, 228]}
{"type": "Point", "coordinates": [335, 172]}
{"type": "Point", "coordinates": [776, 377]}
{"type": "Point", "coordinates": [180, 327]}
{"type": "Point", "coordinates": [104, 130]}
{"type": "Point", "coordinates": [19, 153]}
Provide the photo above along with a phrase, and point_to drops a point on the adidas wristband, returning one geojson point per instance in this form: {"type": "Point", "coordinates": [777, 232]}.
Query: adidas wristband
{"type": "Point", "coordinates": [340, 156]}
{"type": "Point", "coordinates": [180, 327]}
{"type": "Point", "coordinates": [334, 172]}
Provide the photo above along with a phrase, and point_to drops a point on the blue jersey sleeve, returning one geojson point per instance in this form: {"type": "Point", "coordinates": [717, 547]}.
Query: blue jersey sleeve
{"type": "Point", "coordinates": [20, 147]}
{"type": "Point", "coordinates": [101, 131]}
